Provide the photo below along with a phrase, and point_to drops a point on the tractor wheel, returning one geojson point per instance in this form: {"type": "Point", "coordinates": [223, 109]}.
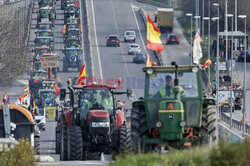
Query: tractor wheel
{"type": "Point", "coordinates": [75, 143]}
{"type": "Point", "coordinates": [58, 140]}
{"type": "Point", "coordinates": [37, 145]}
{"type": "Point", "coordinates": [138, 128]}
{"type": "Point", "coordinates": [124, 139]}
{"type": "Point", "coordinates": [209, 131]}
{"type": "Point", "coordinates": [94, 155]}
{"type": "Point", "coordinates": [64, 140]}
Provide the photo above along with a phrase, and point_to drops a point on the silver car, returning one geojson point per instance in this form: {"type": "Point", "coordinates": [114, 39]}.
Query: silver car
{"type": "Point", "coordinates": [129, 36]}
{"type": "Point", "coordinates": [132, 48]}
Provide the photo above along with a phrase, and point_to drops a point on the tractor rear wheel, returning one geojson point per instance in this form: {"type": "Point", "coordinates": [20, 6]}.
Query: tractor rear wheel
{"type": "Point", "coordinates": [58, 139]}
{"type": "Point", "coordinates": [138, 128]}
{"type": "Point", "coordinates": [75, 143]}
{"type": "Point", "coordinates": [64, 139]}
{"type": "Point", "coordinates": [124, 139]}
{"type": "Point", "coordinates": [209, 131]}
{"type": "Point", "coordinates": [94, 155]}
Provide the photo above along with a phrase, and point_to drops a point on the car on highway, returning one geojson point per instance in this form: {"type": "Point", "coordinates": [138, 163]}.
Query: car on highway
{"type": "Point", "coordinates": [113, 40]}
{"type": "Point", "coordinates": [242, 55]}
{"type": "Point", "coordinates": [129, 36]}
{"type": "Point", "coordinates": [132, 48]}
{"type": "Point", "coordinates": [173, 38]}
{"type": "Point", "coordinates": [139, 57]}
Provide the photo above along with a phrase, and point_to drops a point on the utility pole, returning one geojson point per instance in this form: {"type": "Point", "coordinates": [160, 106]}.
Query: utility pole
{"type": "Point", "coordinates": [226, 29]}
{"type": "Point", "coordinates": [203, 7]}
{"type": "Point", "coordinates": [196, 14]}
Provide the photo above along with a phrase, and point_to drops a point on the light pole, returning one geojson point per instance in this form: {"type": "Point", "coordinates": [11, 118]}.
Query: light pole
{"type": "Point", "coordinates": [217, 58]}
{"type": "Point", "coordinates": [231, 85]}
{"type": "Point", "coordinates": [191, 50]}
{"type": "Point", "coordinates": [203, 7]}
{"type": "Point", "coordinates": [226, 29]}
{"type": "Point", "coordinates": [236, 23]}
{"type": "Point", "coordinates": [197, 20]}
{"type": "Point", "coordinates": [244, 95]}
{"type": "Point", "coordinates": [208, 19]}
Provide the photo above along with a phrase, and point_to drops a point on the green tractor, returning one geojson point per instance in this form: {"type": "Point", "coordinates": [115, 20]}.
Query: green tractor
{"type": "Point", "coordinates": [174, 115]}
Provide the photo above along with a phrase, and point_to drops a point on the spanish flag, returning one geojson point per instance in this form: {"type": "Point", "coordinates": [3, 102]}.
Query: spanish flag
{"type": "Point", "coordinates": [57, 90]}
{"type": "Point", "coordinates": [207, 63]}
{"type": "Point", "coordinates": [75, 4]}
{"type": "Point", "coordinates": [4, 98]}
{"type": "Point", "coordinates": [64, 29]}
{"type": "Point", "coordinates": [82, 76]}
{"type": "Point", "coordinates": [35, 107]}
{"type": "Point", "coordinates": [25, 88]}
{"type": "Point", "coordinates": [149, 63]}
{"type": "Point", "coordinates": [153, 37]}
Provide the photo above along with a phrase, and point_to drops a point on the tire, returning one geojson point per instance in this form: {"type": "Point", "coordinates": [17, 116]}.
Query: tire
{"type": "Point", "coordinates": [75, 143]}
{"type": "Point", "coordinates": [209, 131]}
{"type": "Point", "coordinates": [138, 128]}
{"type": "Point", "coordinates": [64, 139]}
{"type": "Point", "coordinates": [125, 139]}
{"type": "Point", "coordinates": [58, 141]}
{"type": "Point", "coordinates": [94, 155]}
{"type": "Point", "coordinates": [37, 145]}
{"type": "Point", "coordinates": [134, 40]}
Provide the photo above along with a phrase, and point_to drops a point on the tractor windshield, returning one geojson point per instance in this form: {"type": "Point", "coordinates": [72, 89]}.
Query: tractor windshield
{"type": "Point", "coordinates": [161, 85]}
{"type": "Point", "coordinates": [73, 33]}
{"type": "Point", "coordinates": [72, 43]}
{"type": "Point", "coordinates": [43, 41]}
{"type": "Point", "coordinates": [46, 95]}
{"type": "Point", "coordinates": [96, 99]}
{"type": "Point", "coordinates": [43, 34]}
{"type": "Point", "coordinates": [42, 51]}
{"type": "Point", "coordinates": [72, 52]}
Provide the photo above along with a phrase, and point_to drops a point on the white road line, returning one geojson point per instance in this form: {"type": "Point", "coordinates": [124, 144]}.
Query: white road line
{"type": "Point", "coordinates": [138, 28]}
{"type": "Point", "coordinates": [96, 42]}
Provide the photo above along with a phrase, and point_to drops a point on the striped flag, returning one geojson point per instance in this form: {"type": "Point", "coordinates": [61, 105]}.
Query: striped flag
{"type": "Point", "coordinates": [4, 98]}
{"type": "Point", "coordinates": [82, 76]}
{"type": "Point", "coordinates": [197, 51]}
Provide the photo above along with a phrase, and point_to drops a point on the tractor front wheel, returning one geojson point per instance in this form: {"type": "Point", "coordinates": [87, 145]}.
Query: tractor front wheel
{"type": "Point", "coordinates": [75, 143]}
{"type": "Point", "coordinates": [64, 139]}
{"type": "Point", "coordinates": [138, 128]}
{"type": "Point", "coordinates": [209, 131]}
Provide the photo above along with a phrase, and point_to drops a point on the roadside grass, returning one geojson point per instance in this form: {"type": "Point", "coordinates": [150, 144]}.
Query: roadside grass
{"type": "Point", "coordinates": [20, 155]}
{"type": "Point", "coordinates": [225, 154]}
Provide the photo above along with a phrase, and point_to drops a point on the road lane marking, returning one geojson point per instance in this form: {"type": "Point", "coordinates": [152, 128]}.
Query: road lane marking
{"type": "Point", "coordinates": [96, 42]}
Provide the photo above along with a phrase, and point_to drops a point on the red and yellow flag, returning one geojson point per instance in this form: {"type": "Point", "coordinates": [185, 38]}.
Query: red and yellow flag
{"type": "Point", "coordinates": [153, 37]}
{"type": "Point", "coordinates": [82, 76]}
{"type": "Point", "coordinates": [149, 63]}
{"type": "Point", "coordinates": [25, 88]}
{"type": "Point", "coordinates": [4, 98]}
{"type": "Point", "coordinates": [207, 63]}
{"type": "Point", "coordinates": [57, 90]}
{"type": "Point", "coordinates": [64, 29]}
{"type": "Point", "coordinates": [75, 4]}
{"type": "Point", "coordinates": [35, 107]}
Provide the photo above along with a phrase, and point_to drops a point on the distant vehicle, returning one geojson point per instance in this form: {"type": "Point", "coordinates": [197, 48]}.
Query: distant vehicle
{"type": "Point", "coordinates": [139, 57]}
{"type": "Point", "coordinates": [129, 36]}
{"type": "Point", "coordinates": [132, 48]}
{"type": "Point", "coordinates": [165, 19]}
{"type": "Point", "coordinates": [113, 40]}
{"type": "Point", "coordinates": [242, 55]}
{"type": "Point", "coordinates": [173, 38]}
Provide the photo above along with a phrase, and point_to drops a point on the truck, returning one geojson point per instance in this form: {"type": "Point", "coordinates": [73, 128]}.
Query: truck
{"type": "Point", "coordinates": [165, 19]}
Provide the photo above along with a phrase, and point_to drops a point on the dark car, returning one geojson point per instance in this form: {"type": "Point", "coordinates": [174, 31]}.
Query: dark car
{"type": "Point", "coordinates": [242, 55]}
{"type": "Point", "coordinates": [139, 57]}
{"type": "Point", "coordinates": [173, 38]}
{"type": "Point", "coordinates": [113, 40]}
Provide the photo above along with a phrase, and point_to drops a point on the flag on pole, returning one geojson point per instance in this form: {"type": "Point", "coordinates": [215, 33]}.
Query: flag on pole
{"type": "Point", "coordinates": [35, 107]}
{"type": "Point", "coordinates": [64, 29]}
{"type": "Point", "coordinates": [207, 63]}
{"type": "Point", "coordinates": [4, 98]}
{"type": "Point", "coordinates": [25, 88]}
{"type": "Point", "coordinates": [148, 63]}
{"type": "Point", "coordinates": [197, 51]}
{"type": "Point", "coordinates": [20, 100]}
{"type": "Point", "coordinates": [75, 4]}
{"type": "Point", "coordinates": [57, 90]}
{"type": "Point", "coordinates": [82, 76]}
{"type": "Point", "coordinates": [153, 37]}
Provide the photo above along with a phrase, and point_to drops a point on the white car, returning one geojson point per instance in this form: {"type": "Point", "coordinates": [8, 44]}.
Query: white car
{"type": "Point", "coordinates": [132, 48]}
{"type": "Point", "coordinates": [129, 36]}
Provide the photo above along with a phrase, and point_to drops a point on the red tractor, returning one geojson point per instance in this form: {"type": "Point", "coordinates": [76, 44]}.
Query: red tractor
{"type": "Point", "coordinates": [94, 123]}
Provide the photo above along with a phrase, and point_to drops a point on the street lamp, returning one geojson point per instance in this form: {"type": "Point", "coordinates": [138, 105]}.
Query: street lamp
{"type": "Point", "coordinates": [208, 19]}
{"type": "Point", "coordinates": [231, 85]}
{"type": "Point", "coordinates": [197, 18]}
{"type": "Point", "coordinates": [191, 51]}
{"type": "Point", "coordinates": [217, 57]}
{"type": "Point", "coordinates": [244, 93]}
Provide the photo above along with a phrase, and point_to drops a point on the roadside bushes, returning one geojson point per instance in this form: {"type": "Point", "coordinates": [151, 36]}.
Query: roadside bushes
{"type": "Point", "coordinates": [20, 155]}
{"type": "Point", "coordinates": [225, 154]}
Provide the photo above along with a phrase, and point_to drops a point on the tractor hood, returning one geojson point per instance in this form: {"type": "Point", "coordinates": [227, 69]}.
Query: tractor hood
{"type": "Point", "coordinates": [99, 113]}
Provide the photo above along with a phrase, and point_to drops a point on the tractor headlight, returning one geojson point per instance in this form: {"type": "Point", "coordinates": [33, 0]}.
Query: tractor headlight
{"type": "Point", "coordinates": [182, 123]}
{"type": "Point", "coordinates": [158, 124]}
{"type": "Point", "coordinates": [149, 71]}
{"type": "Point", "coordinates": [100, 124]}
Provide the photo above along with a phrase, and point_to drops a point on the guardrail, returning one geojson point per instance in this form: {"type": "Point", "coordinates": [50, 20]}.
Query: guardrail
{"type": "Point", "coordinates": [235, 124]}
{"type": "Point", "coordinates": [144, 14]}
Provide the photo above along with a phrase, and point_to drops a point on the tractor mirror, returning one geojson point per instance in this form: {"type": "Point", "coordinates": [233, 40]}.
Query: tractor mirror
{"type": "Point", "coordinates": [62, 94]}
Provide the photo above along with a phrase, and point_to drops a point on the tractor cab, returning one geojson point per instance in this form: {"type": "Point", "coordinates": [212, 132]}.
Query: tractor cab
{"type": "Point", "coordinates": [72, 26]}
{"type": "Point", "coordinates": [46, 12]}
{"type": "Point", "coordinates": [73, 21]}
{"type": "Point", "coordinates": [72, 42]}
{"type": "Point", "coordinates": [48, 84]}
{"type": "Point", "coordinates": [72, 33]}
{"type": "Point", "coordinates": [41, 50]}
{"type": "Point", "coordinates": [44, 42]}
{"type": "Point", "coordinates": [173, 102]}
{"type": "Point", "coordinates": [46, 97]}
{"type": "Point", "coordinates": [48, 25]}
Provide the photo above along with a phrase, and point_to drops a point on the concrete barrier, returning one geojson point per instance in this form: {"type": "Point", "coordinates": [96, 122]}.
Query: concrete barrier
{"type": "Point", "coordinates": [7, 143]}
{"type": "Point", "coordinates": [228, 135]}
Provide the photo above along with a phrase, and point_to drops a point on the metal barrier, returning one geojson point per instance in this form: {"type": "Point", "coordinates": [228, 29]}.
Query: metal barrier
{"type": "Point", "coordinates": [235, 124]}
